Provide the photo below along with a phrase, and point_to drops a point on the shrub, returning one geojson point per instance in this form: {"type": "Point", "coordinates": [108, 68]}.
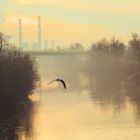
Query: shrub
{"type": "Point", "coordinates": [18, 74]}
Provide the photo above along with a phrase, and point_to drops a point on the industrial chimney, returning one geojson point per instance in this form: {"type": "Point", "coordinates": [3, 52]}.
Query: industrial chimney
{"type": "Point", "coordinates": [39, 32]}
{"type": "Point", "coordinates": [20, 33]}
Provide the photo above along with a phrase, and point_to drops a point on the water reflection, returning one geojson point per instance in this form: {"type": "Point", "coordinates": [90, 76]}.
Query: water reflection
{"type": "Point", "coordinates": [16, 120]}
{"type": "Point", "coordinates": [16, 112]}
{"type": "Point", "coordinates": [91, 106]}
{"type": "Point", "coordinates": [133, 92]}
{"type": "Point", "coordinates": [110, 92]}
{"type": "Point", "coordinates": [116, 94]}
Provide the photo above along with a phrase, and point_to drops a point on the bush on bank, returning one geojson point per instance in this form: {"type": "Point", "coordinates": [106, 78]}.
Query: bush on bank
{"type": "Point", "coordinates": [18, 74]}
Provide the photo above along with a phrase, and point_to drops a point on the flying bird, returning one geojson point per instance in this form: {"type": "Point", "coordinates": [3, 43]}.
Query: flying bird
{"type": "Point", "coordinates": [59, 80]}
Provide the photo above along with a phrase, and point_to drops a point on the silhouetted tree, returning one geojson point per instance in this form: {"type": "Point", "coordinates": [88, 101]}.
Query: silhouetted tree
{"type": "Point", "coordinates": [135, 45]}
{"type": "Point", "coordinates": [100, 46]}
{"type": "Point", "coordinates": [18, 72]}
{"type": "Point", "coordinates": [76, 47]}
{"type": "Point", "coordinates": [117, 47]}
{"type": "Point", "coordinates": [133, 58]}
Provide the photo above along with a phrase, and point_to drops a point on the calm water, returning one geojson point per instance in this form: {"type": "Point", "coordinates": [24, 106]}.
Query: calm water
{"type": "Point", "coordinates": [88, 110]}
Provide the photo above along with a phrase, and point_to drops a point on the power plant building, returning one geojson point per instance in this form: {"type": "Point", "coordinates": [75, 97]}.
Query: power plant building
{"type": "Point", "coordinates": [37, 45]}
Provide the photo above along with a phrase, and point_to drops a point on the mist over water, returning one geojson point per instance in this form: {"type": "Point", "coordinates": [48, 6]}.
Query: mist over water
{"type": "Point", "coordinates": [93, 104]}
{"type": "Point", "coordinates": [99, 103]}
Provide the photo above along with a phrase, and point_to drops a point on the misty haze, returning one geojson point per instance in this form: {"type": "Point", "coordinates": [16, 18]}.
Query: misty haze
{"type": "Point", "coordinates": [69, 70]}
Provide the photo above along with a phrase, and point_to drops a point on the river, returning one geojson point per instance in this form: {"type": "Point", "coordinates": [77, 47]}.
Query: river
{"type": "Point", "coordinates": [104, 111]}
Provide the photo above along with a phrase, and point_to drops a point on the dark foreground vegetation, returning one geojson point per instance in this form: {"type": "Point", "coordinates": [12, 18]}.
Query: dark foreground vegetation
{"type": "Point", "coordinates": [15, 120]}
{"type": "Point", "coordinates": [18, 74]}
{"type": "Point", "coordinates": [18, 77]}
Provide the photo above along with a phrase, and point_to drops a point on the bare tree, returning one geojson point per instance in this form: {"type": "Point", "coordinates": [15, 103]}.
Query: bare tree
{"type": "Point", "coordinates": [117, 47]}
{"type": "Point", "coordinates": [101, 46]}
{"type": "Point", "coordinates": [76, 47]}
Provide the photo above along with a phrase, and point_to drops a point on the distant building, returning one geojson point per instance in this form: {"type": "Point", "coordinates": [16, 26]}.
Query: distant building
{"type": "Point", "coordinates": [39, 33]}
{"type": "Point", "coordinates": [20, 33]}
{"type": "Point", "coordinates": [45, 44]}
{"type": "Point", "coordinates": [35, 46]}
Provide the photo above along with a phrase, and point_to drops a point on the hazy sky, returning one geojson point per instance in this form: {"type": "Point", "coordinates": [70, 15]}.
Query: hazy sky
{"type": "Point", "coordinates": [68, 21]}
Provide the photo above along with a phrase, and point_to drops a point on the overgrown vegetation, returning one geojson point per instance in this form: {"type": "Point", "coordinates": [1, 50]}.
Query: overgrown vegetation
{"type": "Point", "coordinates": [113, 59]}
{"type": "Point", "coordinates": [18, 74]}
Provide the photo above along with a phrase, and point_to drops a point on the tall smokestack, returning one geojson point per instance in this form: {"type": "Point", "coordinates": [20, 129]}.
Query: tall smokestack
{"type": "Point", "coordinates": [39, 32]}
{"type": "Point", "coordinates": [20, 33]}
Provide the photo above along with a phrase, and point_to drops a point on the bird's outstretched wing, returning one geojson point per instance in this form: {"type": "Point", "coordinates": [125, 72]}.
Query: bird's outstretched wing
{"type": "Point", "coordinates": [51, 82]}
{"type": "Point", "coordinates": [59, 80]}
{"type": "Point", "coordinates": [63, 83]}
